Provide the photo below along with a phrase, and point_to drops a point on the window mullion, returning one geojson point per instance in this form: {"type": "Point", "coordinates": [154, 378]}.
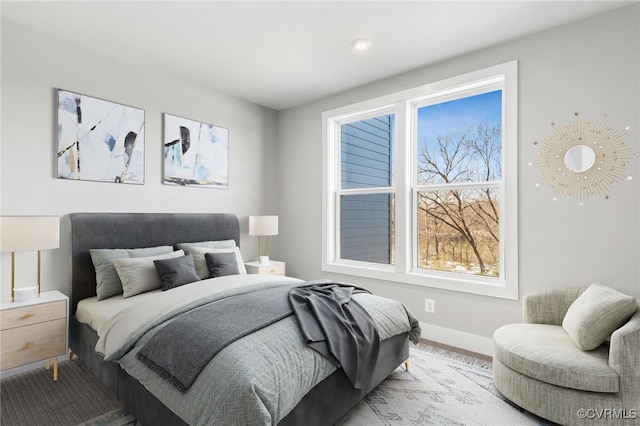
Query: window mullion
{"type": "Point", "coordinates": [380, 190]}
{"type": "Point", "coordinates": [403, 207]}
{"type": "Point", "coordinates": [461, 185]}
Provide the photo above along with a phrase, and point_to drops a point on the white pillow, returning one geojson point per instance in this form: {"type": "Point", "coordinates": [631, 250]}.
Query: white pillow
{"type": "Point", "coordinates": [139, 274]}
{"type": "Point", "coordinates": [201, 264]}
{"type": "Point", "coordinates": [597, 313]}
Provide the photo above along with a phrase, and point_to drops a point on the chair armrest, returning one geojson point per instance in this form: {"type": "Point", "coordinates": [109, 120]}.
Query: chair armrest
{"type": "Point", "coordinates": [549, 307]}
{"type": "Point", "coordinates": [624, 356]}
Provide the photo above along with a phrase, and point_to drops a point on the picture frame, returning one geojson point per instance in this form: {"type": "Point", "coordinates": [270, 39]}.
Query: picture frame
{"type": "Point", "coordinates": [195, 153]}
{"type": "Point", "coordinates": [99, 140]}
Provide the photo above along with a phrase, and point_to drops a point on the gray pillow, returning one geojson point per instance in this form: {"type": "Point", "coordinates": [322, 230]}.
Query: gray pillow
{"type": "Point", "coordinates": [597, 313]}
{"type": "Point", "coordinates": [210, 244]}
{"type": "Point", "coordinates": [139, 275]}
{"type": "Point", "coordinates": [176, 272]}
{"type": "Point", "coordinates": [107, 280]}
{"type": "Point", "coordinates": [221, 264]}
{"type": "Point", "coordinates": [201, 264]}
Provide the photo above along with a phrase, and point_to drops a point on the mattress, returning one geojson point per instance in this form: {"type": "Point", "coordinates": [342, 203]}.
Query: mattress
{"type": "Point", "coordinates": [96, 313]}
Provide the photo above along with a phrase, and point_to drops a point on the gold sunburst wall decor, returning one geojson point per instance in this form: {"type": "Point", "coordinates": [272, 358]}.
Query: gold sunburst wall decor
{"type": "Point", "coordinates": [583, 158]}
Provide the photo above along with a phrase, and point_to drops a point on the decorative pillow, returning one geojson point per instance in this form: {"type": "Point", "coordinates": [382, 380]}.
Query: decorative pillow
{"type": "Point", "coordinates": [107, 280]}
{"type": "Point", "coordinates": [597, 313]}
{"type": "Point", "coordinates": [139, 274]}
{"type": "Point", "coordinates": [201, 264]}
{"type": "Point", "coordinates": [221, 264]}
{"type": "Point", "coordinates": [176, 271]}
{"type": "Point", "coordinates": [221, 244]}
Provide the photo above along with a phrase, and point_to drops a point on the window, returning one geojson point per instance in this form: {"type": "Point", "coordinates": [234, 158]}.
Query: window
{"type": "Point", "coordinates": [421, 186]}
{"type": "Point", "coordinates": [366, 189]}
{"type": "Point", "coordinates": [459, 174]}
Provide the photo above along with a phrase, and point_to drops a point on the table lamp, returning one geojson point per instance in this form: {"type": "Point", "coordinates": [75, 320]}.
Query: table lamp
{"type": "Point", "coordinates": [263, 226]}
{"type": "Point", "coordinates": [28, 233]}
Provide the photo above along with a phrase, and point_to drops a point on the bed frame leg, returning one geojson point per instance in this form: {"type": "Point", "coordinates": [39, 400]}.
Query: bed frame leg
{"type": "Point", "coordinates": [70, 354]}
{"type": "Point", "coordinates": [406, 364]}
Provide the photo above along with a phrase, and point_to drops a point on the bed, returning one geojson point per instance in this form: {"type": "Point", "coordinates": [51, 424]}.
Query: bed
{"type": "Point", "coordinates": [327, 393]}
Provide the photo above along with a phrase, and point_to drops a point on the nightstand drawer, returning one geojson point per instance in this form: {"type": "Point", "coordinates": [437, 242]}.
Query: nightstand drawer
{"type": "Point", "coordinates": [272, 268]}
{"type": "Point", "coordinates": [277, 269]}
{"type": "Point", "coordinates": [33, 343]}
{"type": "Point", "coordinates": [19, 317]}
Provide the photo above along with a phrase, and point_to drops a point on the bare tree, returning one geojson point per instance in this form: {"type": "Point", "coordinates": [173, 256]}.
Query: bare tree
{"type": "Point", "coordinates": [465, 155]}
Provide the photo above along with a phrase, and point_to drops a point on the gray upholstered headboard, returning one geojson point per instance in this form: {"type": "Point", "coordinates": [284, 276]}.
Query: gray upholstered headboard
{"type": "Point", "coordinates": [134, 230]}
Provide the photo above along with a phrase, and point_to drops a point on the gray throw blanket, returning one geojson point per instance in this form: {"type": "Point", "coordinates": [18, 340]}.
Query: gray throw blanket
{"type": "Point", "coordinates": [338, 328]}
{"type": "Point", "coordinates": [180, 351]}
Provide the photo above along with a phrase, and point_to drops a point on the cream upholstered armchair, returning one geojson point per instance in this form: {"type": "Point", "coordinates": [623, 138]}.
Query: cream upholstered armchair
{"type": "Point", "coordinates": [539, 365]}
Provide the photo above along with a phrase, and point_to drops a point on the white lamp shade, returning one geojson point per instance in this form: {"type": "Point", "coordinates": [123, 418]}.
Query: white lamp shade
{"type": "Point", "coordinates": [263, 225]}
{"type": "Point", "coordinates": [29, 233]}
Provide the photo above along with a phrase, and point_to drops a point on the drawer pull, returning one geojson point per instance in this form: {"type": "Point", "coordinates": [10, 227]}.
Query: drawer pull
{"type": "Point", "coordinates": [27, 316]}
{"type": "Point", "coordinates": [27, 345]}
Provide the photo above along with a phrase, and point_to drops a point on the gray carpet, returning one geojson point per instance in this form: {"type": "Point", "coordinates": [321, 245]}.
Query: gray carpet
{"type": "Point", "coordinates": [33, 398]}
{"type": "Point", "coordinates": [441, 387]}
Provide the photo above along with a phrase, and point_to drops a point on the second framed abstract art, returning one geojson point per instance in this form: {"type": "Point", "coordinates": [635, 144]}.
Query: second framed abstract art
{"type": "Point", "coordinates": [195, 153]}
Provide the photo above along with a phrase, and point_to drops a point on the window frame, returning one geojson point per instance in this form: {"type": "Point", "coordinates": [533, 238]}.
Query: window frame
{"type": "Point", "coordinates": [339, 191]}
{"type": "Point", "coordinates": [404, 106]}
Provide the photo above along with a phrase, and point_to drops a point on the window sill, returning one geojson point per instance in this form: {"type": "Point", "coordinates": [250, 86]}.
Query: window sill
{"type": "Point", "coordinates": [503, 289]}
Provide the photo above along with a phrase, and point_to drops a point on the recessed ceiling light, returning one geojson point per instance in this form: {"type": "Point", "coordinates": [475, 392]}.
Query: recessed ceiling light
{"type": "Point", "coordinates": [361, 44]}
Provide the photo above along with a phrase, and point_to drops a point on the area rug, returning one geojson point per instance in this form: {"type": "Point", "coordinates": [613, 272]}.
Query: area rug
{"type": "Point", "coordinates": [438, 390]}
{"type": "Point", "coordinates": [441, 388]}
{"type": "Point", "coordinates": [120, 417]}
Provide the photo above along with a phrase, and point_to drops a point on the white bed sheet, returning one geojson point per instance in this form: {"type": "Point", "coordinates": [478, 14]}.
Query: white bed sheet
{"type": "Point", "coordinates": [96, 313]}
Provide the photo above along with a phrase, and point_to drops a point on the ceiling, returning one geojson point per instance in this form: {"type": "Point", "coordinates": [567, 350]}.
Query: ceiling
{"type": "Point", "coordinates": [283, 54]}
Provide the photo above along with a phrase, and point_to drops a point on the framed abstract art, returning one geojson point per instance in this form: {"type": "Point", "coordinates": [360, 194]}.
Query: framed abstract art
{"type": "Point", "coordinates": [195, 153]}
{"type": "Point", "coordinates": [99, 140]}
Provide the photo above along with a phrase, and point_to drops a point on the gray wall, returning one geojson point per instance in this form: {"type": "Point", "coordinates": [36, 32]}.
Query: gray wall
{"type": "Point", "coordinates": [34, 64]}
{"type": "Point", "coordinates": [591, 66]}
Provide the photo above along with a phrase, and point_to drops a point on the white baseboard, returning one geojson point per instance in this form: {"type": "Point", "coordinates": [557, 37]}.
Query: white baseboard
{"type": "Point", "coordinates": [458, 339]}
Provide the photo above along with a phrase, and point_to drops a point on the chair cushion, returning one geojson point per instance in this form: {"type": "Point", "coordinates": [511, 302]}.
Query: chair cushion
{"type": "Point", "coordinates": [597, 313]}
{"type": "Point", "coordinates": [547, 353]}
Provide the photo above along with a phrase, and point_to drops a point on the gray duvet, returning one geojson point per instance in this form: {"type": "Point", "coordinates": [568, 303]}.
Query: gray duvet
{"type": "Point", "coordinates": [256, 380]}
{"type": "Point", "coordinates": [180, 351]}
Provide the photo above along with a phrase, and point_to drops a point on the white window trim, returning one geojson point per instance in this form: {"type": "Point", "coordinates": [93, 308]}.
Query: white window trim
{"type": "Point", "coordinates": [402, 104]}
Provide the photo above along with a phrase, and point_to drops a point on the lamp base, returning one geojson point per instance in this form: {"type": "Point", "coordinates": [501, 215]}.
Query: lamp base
{"type": "Point", "coordinates": [25, 294]}
{"type": "Point", "coordinates": [264, 260]}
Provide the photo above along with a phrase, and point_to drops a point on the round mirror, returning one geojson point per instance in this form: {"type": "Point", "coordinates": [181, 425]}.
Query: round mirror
{"type": "Point", "coordinates": [580, 158]}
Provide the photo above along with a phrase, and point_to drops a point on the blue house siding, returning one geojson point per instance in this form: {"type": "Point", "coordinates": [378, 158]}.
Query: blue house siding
{"type": "Point", "coordinates": [365, 228]}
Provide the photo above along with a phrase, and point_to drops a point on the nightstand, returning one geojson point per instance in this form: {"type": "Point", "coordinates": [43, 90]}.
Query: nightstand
{"type": "Point", "coordinates": [34, 330]}
{"type": "Point", "coordinates": [273, 267]}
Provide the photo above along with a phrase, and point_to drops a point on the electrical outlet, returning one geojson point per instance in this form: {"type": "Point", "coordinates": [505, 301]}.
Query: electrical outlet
{"type": "Point", "coordinates": [430, 306]}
